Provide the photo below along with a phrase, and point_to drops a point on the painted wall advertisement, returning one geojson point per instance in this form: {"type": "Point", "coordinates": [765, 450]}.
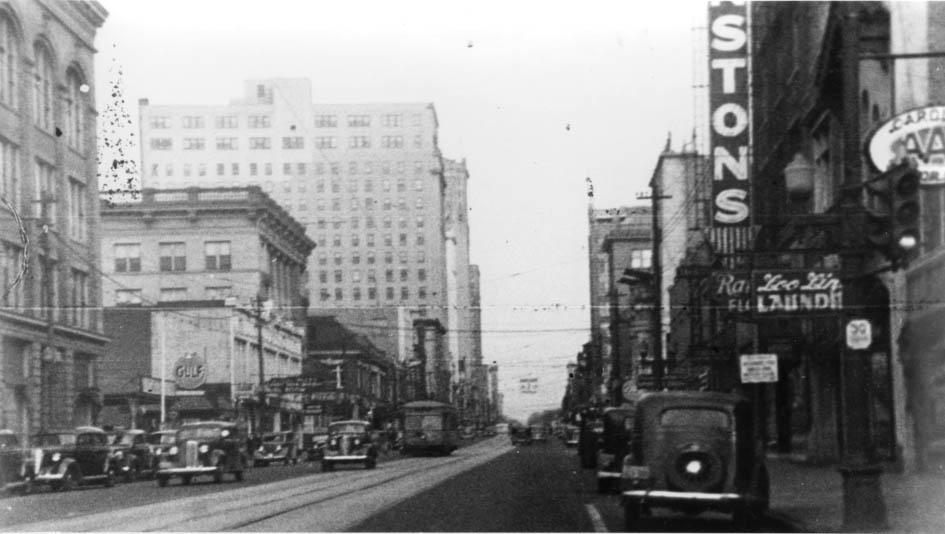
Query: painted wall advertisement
{"type": "Point", "coordinates": [728, 108]}
{"type": "Point", "coordinates": [917, 134]}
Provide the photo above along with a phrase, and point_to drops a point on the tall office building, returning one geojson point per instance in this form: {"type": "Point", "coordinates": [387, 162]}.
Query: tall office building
{"type": "Point", "coordinates": [366, 180]}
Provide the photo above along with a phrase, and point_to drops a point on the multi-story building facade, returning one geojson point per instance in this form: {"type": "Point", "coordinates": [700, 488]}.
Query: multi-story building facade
{"type": "Point", "coordinates": [50, 324]}
{"type": "Point", "coordinates": [205, 244]}
{"type": "Point", "coordinates": [365, 179]}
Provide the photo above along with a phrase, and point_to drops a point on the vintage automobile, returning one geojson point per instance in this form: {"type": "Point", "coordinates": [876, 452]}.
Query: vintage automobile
{"type": "Point", "coordinates": [614, 443]}
{"type": "Point", "coordinates": [430, 427]}
{"type": "Point", "coordinates": [591, 429]}
{"type": "Point", "coordinates": [349, 442]}
{"type": "Point", "coordinates": [17, 465]}
{"type": "Point", "coordinates": [313, 444]}
{"type": "Point", "coordinates": [131, 454]}
{"type": "Point", "coordinates": [520, 435]}
{"type": "Point", "coordinates": [213, 448]}
{"type": "Point", "coordinates": [571, 436]}
{"type": "Point", "coordinates": [74, 457]}
{"type": "Point", "coordinates": [276, 447]}
{"type": "Point", "coordinates": [692, 451]}
{"type": "Point", "coordinates": [539, 433]}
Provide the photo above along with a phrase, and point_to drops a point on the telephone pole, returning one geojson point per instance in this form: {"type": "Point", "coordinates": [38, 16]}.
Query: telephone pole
{"type": "Point", "coordinates": [48, 289]}
{"type": "Point", "coordinates": [657, 265]}
{"type": "Point", "coordinates": [261, 356]}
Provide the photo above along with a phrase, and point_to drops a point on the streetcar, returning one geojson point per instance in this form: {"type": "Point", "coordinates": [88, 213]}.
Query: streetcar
{"type": "Point", "coordinates": [430, 427]}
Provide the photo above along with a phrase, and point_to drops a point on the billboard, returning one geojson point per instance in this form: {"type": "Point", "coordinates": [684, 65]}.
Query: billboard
{"type": "Point", "coordinates": [728, 109]}
{"type": "Point", "coordinates": [528, 385]}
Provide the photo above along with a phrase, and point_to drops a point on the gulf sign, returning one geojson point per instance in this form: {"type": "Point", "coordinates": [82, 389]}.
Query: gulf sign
{"type": "Point", "coordinates": [728, 107]}
{"type": "Point", "coordinates": [917, 134]}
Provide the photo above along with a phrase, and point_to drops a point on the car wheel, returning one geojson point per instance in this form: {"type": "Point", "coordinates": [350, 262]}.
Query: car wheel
{"type": "Point", "coordinates": [70, 480]}
{"type": "Point", "coordinates": [185, 480]}
{"type": "Point", "coordinates": [631, 517]}
{"type": "Point", "coordinates": [371, 463]}
{"type": "Point", "coordinates": [109, 478]}
{"type": "Point", "coordinates": [603, 485]}
{"type": "Point", "coordinates": [327, 466]}
{"type": "Point", "coordinates": [162, 481]}
{"type": "Point", "coordinates": [238, 475]}
{"type": "Point", "coordinates": [218, 474]}
{"type": "Point", "coordinates": [133, 473]}
{"type": "Point", "coordinates": [27, 488]}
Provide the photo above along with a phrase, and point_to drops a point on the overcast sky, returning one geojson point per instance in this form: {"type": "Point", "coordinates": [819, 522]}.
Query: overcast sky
{"type": "Point", "coordinates": [536, 96]}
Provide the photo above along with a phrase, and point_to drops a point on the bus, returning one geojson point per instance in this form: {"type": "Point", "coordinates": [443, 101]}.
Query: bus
{"type": "Point", "coordinates": [430, 427]}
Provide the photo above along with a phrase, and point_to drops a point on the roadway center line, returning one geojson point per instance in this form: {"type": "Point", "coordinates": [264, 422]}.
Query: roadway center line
{"type": "Point", "coordinates": [596, 519]}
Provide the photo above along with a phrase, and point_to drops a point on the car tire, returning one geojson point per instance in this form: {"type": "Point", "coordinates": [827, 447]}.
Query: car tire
{"type": "Point", "coordinates": [603, 485]}
{"type": "Point", "coordinates": [218, 475]}
{"type": "Point", "coordinates": [327, 467]}
{"type": "Point", "coordinates": [632, 513]}
{"type": "Point", "coordinates": [133, 473]}
{"type": "Point", "coordinates": [371, 463]}
{"type": "Point", "coordinates": [162, 481]}
{"type": "Point", "coordinates": [186, 479]}
{"type": "Point", "coordinates": [27, 488]}
{"type": "Point", "coordinates": [70, 481]}
{"type": "Point", "coordinates": [109, 478]}
{"type": "Point", "coordinates": [238, 475]}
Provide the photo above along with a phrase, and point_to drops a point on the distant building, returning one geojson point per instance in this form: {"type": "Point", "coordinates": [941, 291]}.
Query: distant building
{"type": "Point", "coordinates": [51, 337]}
{"type": "Point", "coordinates": [205, 244]}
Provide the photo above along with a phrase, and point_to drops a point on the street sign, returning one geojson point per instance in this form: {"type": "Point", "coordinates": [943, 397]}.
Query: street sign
{"type": "Point", "coordinates": [759, 368]}
{"type": "Point", "coordinates": [859, 334]}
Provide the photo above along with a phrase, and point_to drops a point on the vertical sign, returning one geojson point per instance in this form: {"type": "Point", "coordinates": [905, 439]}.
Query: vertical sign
{"type": "Point", "coordinates": [728, 108]}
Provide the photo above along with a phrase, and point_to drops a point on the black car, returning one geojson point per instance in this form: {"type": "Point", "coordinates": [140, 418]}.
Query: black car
{"type": "Point", "coordinates": [214, 448]}
{"type": "Point", "coordinates": [276, 447]}
{"type": "Point", "coordinates": [692, 451]}
{"type": "Point", "coordinates": [520, 435]}
{"type": "Point", "coordinates": [131, 453]}
{"type": "Point", "coordinates": [159, 442]}
{"type": "Point", "coordinates": [74, 457]}
{"type": "Point", "coordinates": [614, 443]}
{"type": "Point", "coordinates": [349, 442]}
{"type": "Point", "coordinates": [17, 466]}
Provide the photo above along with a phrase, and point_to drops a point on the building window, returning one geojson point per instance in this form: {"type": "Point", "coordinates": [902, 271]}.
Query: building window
{"type": "Point", "coordinates": [336, 223]}
{"type": "Point", "coordinates": [339, 294]}
{"type": "Point", "coordinates": [172, 257]}
{"type": "Point", "coordinates": [235, 169]}
{"type": "Point", "coordinates": [387, 204]}
{"type": "Point", "coordinates": [641, 259]}
{"type": "Point", "coordinates": [169, 170]}
{"type": "Point", "coordinates": [323, 277]}
{"type": "Point", "coordinates": [326, 121]}
{"type": "Point", "coordinates": [369, 222]}
{"type": "Point", "coordinates": [404, 293]}
{"type": "Point", "coordinates": [127, 257]}
{"type": "Point", "coordinates": [253, 169]}
{"type": "Point", "coordinates": [370, 257]}
{"type": "Point", "coordinates": [221, 169]}
{"type": "Point", "coordinates": [356, 293]}
{"type": "Point", "coordinates": [402, 203]}
{"type": "Point", "coordinates": [323, 294]}
{"type": "Point", "coordinates": [192, 121]}
{"type": "Point", "coordinates": [421, 240]}
{"type": "Point", "coordinates": [422, 292]}
{"type": "Point", "coordinates": [293, 143]}
{"type": "Point", "coordinates": [161, 143]}
{"type": "Point", "coordinates": [9, 61]}
{"type": "Point", "coordinates": [355, 258]}
{"type": "Point", "coordinates": [227, 122]}
{"type": "Point", "coordinates": [418, 185]}
{"type": "Point", "coordinates": [372, 293]}
{"type": "Point", "coordinates": [268, 169]}
{"type": "Point", "coordinates": [260, 121]}
{"type": "Point", "coordinates": [388, 257]}
{"type": "Point", "coordinates": [339, 276]}
{"type": "Point", "coordinates": [420, 221]}
{"type": "Point", "coordinates": [173, 294]}
{"type": "Point", "coordinates": [371, 276]}
{"type": "Point", "coordinates": [322, 258]}
{"type": "Point", "coordinates": [78, 201]}
{"type": "Point", "coordinates": [421, 256]}
{"type": "Point", "coordinates": [336, 240]}
{"type": "Point", "coordinates": [390, 293]}
{"type": "Point", "coordinates": [389, 275]}
{"type": "Point", "coordinates": [44, 89]}
{"type": "Point", "coordinates": [355, 223]}
{"type": "Point", "coordinates": [359, 141]}
{"type": "Point", "coordinates": [326, 142]}
{"type": "Point", "coordinates": [336, 204]}
{"type": "Point", "coordinates": [392, 141]}
{"type": "Point", "coordinates": [402, 240]}
{"type": "Point", "coordinates": [201, 169]}
{"type": "Point", "coordinates": [217, 255]}
{"type": "Point", "coordinates": [419, 204]}
{"type": "Point", "coordinates": [421, 275]}
{"type": "Point", "coordinates": [227, 143]}
{"type": "Point", "coordinates": [128, 296]}
{"type": "Point", "coordinates": [337, 258]}
{"type": "Point", "coordinates": [44, 188]}
{"type": "Point", "coordinates": [359, 121]}
{"type": "Point", "coordinates": [75, 107]}
{"type": "Point", "coordinates": [287, 169]}
{"type": "Point", "coordinates": [403, 275]}
{"type": "Point", "coordinates": [159, 122]}
{"type": "Point", "coordinates": [388, 240]}
{"type": "Point", "coordinates": [335, 168]}
{"type": "Point", "coordinates": [355, 240]}
{"type": "Point", "coordinates": [319, 168]}
{"type": "Point", "coordinates": [186, 168]}
{"type": "Point", "coordinates": [260, 143]}
{"type": "Point", "coordinates": [402, 256]}
{"type": "Point", "coordinates": [300, 169]}
{"type": "Point", "coordinates": [418, 141]}
{"type": "Point", "coordinates": [392, 120]}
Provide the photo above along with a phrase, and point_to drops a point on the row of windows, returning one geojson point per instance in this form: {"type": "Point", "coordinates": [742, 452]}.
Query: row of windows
{"type": "Point", "coordinates": [388, 120]}
{"type": "Point", "coordinates": [371, 294]}
{"type": "Point", "coordinates": [370, 276]}
{"type": "Point", "coordinates": [355, 240]}
{"type": "Point", "coordinates": [226, 143]}
{"type": "Point", "coordinates": [369, 204]}
{"type": "Point", "coordinates": [172, 257]}
{"type": "Point", "coordinates": [222, 122]}
{"type": "Point", "coordinates": [371, 258]}
{"type": "Point", "coordinates": [369, 222]}
{"type": "Point", "coordinates": [66, 112]}
{"type": "Point", "coordinates": [363, 141]}
{"type": "Point", "coordinates": [201, 169]}
{"type": "Point", "coordinates": [296, 169]}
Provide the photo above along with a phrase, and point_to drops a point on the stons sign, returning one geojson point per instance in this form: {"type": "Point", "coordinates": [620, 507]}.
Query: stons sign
{"type": "Point", "coordinates": [728, 106]}
{"type": "Point", "coordinates": [917, 134]}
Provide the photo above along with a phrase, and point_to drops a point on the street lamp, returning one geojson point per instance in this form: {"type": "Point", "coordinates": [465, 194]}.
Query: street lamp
{"type": "Point", "coordinates": [799, 177]}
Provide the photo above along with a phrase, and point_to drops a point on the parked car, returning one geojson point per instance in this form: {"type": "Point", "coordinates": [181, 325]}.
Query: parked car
{"type": "Point", "coordinates": [571, 436]}
{"type": "Point", "coordinates": [539, 433]}
{"type": "Point", "coordinates": [694, 451]}
{"type": "Point", "coordinates": [614, 444]}
{"type": "Point", "coordinates": [74, 457]}
{"type": "Point", "coordinates": [520, 435]}
{"type": "Point", "coordinates": [589, 436]}
{"type": "Point", "coordinates": [313, 444]}
{"type": "Point", "coordinates": [17, 465]}
{"type": "Point", "coordinates": [131, 454]}
{"type": "Point", "coordinates": [349, 442]}
{"type": "Point", "coordinates": [213, 448]}
{"type": "Point", "coordinates": [276, 447]}
{"type": "Point", "coordinates": [159, 442]}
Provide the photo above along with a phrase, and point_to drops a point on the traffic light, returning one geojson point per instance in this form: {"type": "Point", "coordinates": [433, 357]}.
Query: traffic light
{"type": "Point", "coordinates": [893, 220]}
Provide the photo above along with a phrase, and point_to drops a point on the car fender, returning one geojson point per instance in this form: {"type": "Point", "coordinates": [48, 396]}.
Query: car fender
{"type": "Point", "coordinates": [65, 464]}
{"type": "Point", "coordinates": [216, 455]}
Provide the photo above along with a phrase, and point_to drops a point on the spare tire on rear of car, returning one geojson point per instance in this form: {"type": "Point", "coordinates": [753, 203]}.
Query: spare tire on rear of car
{"type": "Point", "coordinates": [694, 467]}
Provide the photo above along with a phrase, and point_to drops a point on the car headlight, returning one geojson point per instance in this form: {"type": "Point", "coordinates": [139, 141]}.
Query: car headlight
{"type": "Point", "coordinates": [357, 442]}
{"type": "Point", "coordinates": [261, 448]}
{"type": "Point", "coordinates": [119, 455]}
{"type": "Point", "coordinates": [278, 447]}
{"type": "Point", "coordinates": [172, 451]}
{"type": "Point", "coordinates": [203, 448]}
{"type": "Point", "coordinates": [56, 457]}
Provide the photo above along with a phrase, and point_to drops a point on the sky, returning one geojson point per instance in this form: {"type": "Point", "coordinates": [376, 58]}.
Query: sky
{"type": "Point", "coordinates": [540, 98]}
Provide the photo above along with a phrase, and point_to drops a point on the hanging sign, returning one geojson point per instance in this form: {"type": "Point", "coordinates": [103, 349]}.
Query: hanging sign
{"type": "Point", "coordinates": [728, 106]}
{"type": "Point", "coordinates": [859, 334]}
{"type": "Point", "coordinates": [731, 291]}
{"type": "Point", "coordinates": [190, 372]}
{"type": "Point", "coordinates": [759, 368]}
{"type": "Point", "coordinates": [796, 292]}
{"type": "Point", "coordinates": [917, 134]}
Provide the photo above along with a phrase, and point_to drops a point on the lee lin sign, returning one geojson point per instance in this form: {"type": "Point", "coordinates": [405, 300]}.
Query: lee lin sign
{"type": "Point", "coordinates": [796, 292]}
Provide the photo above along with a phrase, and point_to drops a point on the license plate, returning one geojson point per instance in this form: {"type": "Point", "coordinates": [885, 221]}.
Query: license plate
{"type": "Point", "coordinates": [636, 472]}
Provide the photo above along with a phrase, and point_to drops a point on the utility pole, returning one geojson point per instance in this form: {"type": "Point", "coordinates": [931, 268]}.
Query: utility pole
{"type": "Point", "coordinates": [261, 355]}
{"type": "Point", "coordinates": [657, 265]}
{"type": "Point", "coordinates": [863, 505]}
{"type": "Point", "coordinates": [48, 288]}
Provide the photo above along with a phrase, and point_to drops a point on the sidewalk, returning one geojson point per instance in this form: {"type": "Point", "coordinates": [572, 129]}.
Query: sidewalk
{"type": "Point", "coordinates": [810, 498]}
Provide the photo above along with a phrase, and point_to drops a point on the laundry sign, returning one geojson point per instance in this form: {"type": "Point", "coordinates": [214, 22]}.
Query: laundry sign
{"type": "Point", "coordinates": [797, 292]}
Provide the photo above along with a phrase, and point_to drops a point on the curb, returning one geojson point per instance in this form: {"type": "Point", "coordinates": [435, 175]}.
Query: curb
{"type": "Point", "coordinates": [792, 524]}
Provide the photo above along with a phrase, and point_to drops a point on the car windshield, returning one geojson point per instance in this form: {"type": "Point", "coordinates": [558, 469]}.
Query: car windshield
{"type": "Point", "coordinates": [8, 441]}
{"type": "Point", "coordinates": [695, 417]}
{"type": "Point", "coordinates": [124, 439]}
{"type": "Point", "coordinates": [199, 432]}
{"type": "Point", "coordinates": [423, 422]}
{"type": "Point", "coordinates": [348, 428]}
{"type": "Point", "coordinates": [279, 438]}
{"type": "Point", "coordinates": [163, 438]}
{"type": "Point", "coordinates": [54, 440]}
